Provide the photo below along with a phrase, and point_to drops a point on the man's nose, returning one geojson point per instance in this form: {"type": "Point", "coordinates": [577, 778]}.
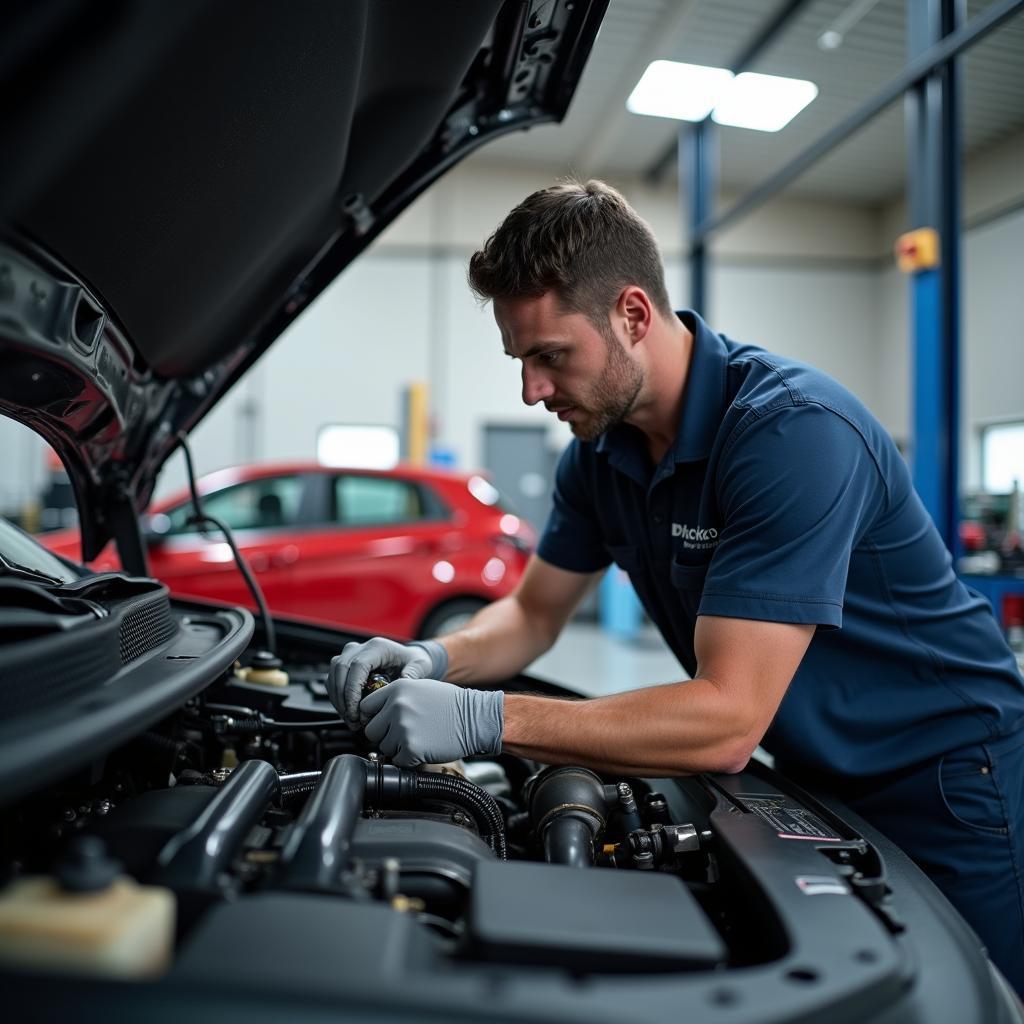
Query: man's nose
{"type": "Point", "coordinates": [536, 386]}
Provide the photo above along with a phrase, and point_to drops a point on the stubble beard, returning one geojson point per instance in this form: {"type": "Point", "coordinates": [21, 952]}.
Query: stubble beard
{"type": "Point", "coordinates": [612, 397]}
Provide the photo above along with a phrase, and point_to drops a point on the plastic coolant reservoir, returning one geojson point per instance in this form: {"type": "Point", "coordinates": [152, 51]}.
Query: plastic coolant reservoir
{"type": "Point", "coordinates": [125, 930]}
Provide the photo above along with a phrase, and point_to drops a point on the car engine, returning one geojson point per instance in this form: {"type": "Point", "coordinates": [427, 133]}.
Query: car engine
{"type": "Point", "coordinates": [254, 786]}
{"type": "Point", "coordinates": [184, 810]}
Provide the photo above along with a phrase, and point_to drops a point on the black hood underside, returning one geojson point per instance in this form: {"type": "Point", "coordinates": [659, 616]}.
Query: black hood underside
{"type": "Point", "coordinates": [181, 179]}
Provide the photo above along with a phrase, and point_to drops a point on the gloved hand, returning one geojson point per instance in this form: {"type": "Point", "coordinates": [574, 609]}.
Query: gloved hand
{"type": "Point", "coordinates": [431, 722]}
{"type": "Point", "coordinates": [350, 669]}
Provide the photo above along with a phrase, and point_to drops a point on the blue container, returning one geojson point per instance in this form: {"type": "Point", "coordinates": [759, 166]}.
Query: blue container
{"type": "Point", "coordinates": [619, 607]}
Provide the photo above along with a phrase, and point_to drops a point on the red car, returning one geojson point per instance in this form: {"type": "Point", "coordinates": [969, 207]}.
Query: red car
{"type": "Point", "coordinates": [407, 552]}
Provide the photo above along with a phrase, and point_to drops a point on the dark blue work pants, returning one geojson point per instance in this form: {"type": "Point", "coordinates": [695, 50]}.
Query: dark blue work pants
{"type": "Point", "coordinates": [961, 819]}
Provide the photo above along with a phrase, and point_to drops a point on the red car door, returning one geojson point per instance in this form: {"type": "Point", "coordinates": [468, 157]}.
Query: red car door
{"type": "Point", "coordinates": [373, 565]}
{"type": "Point", "coordinates": [262, 514]}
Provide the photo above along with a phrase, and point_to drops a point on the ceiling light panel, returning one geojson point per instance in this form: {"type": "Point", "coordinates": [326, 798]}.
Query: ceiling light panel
{"type": "Point", "coordinates": [685, 92]}
{"type": "Point", "coordinates": [765, 103]}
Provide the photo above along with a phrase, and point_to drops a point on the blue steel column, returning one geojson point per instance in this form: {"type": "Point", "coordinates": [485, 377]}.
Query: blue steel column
{"type": "Point", "coordinates": [698, 183]}
{"type": "Point", "coordinates": [933, 135]}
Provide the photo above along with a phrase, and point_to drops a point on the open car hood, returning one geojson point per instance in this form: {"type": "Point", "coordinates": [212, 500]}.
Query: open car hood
{"type": "Point", "coordinates": [181, 180]}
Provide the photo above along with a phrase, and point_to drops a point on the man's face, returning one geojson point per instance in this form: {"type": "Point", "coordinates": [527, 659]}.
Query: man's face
{"type": "Point", "coordinates": [584, 376]}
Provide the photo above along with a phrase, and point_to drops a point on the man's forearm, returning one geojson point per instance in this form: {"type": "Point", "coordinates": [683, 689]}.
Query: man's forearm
{"type": "Point", "coordinates": [497, 643]}
{"type": "Point", "coordinates": [679, 728]}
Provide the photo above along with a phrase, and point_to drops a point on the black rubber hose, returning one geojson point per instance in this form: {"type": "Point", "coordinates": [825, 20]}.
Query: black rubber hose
{"type": "Point", "coordinates": [390, 786]}
{"type": "Point", "coordinates": [309, 725]}
{"type": "Point", "coordinates": [296, 790]}
{"type": "Point", "coordinates": [243, 726]}
{"type": "Point", "coordinates": [162, 744]}
{"type": "Point", "coordinates": [477, 801]}
{"type": "Point", "coordinates": [251, 725]}
{"type": "Point", "coordinates": [197, 856]}
{"type": "Point", "coordinates": [561, 800]}
{"type": "Point", "coordinates": [569, 840]}
{"type": "Point", "coordinates": [298, 783]}
{"type": "Point", "coordinates": [201, 518]}
{"type": "Point", "coordinates": [317, 851]}
{"type": "Point", "coordinates": [165, 750]}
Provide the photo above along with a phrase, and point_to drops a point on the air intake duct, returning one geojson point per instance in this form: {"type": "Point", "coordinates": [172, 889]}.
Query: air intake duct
{"type": "Point", "coordinates": [568, 810]}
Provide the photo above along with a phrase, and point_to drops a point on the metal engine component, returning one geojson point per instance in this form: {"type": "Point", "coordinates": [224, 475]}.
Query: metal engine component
{"type": "Point", "coordinates": [374, 682]}
{"type": "Point", "coordinates": [662, 844]}
{"type": "Point", "coordinates": [488, 775]}
{"type": "Point", "coordinates": [629, 814]}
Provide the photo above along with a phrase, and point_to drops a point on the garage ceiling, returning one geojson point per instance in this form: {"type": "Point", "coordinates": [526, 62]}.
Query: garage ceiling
{"type": "Point", "coordinates": [599, 136]}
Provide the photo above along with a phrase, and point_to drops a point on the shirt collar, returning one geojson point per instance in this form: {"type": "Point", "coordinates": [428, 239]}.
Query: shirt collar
{"type": "Point", "coordinates": [703, 401]}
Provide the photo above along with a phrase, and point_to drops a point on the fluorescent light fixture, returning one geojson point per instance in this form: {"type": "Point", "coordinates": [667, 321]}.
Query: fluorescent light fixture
{"type": "Point", "coordinates": [689, 92]}
{"type": "Point", "coordinates": [686, 92]}
{"type": "Point", "coordinates": [357, 446]}
{"type": "Point", "coordinates": [765, 103]}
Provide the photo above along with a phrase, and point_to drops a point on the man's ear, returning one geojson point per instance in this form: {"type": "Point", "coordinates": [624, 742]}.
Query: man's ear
{"type": "Point", "coordinates": [635, 312]}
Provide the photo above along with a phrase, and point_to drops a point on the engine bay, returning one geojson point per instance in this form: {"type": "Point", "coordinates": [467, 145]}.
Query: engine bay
{"type": "Point", "coordinates": [200, 817]}
{"type": "Point", "coordinates": [255, 786]}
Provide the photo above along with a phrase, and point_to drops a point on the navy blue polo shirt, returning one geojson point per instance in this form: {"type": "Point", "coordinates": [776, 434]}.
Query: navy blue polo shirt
{"type": "Point", "coordinates": [785, 500]}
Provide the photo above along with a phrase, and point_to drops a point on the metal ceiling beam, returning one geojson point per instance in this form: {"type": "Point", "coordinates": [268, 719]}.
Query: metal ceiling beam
{"type": "Point", "coordinates": [754, 49]}
{"type": "Point", "coordinates": [698, 182]}
{"type": "Point", "coordinates": [917, 70]}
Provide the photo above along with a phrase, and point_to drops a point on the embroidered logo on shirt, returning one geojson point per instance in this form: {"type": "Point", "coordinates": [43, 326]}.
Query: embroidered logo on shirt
{"type": "Point", "coordinates": [699, 537]}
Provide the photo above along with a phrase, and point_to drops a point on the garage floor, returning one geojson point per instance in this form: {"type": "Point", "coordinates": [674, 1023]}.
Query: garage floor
{"type": "Point", "coordinates": [588, 660]}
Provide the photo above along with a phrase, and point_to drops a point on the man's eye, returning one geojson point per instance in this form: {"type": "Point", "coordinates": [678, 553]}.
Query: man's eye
{"type": "Point", "coordinates": [549, 358]}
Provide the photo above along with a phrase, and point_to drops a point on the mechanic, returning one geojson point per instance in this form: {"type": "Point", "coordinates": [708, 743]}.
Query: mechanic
{"type": "Point", "coordinates": [770, 528]}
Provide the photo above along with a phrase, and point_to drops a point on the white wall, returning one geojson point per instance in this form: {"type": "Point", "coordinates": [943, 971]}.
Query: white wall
{"type": "Point", "coordinates": [374, 326]}
{"type": "Point", "coordinates": [809, 279]}
{"type": "Point", "coordinates": [22, 465]}
{"type": "Point", "coordinates": [403, 312]}
{"type": "Point", "coordinates": [992, 382]}
{"type": "Point", "coordinates": [992, 313]}
{"type": "Point", "coordinates": [825, 317]}
{"type": "Point", "coordinates": [892, 394]}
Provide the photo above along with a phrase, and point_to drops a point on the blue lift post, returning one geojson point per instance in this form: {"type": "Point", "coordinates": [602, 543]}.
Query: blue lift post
{"type": "Point", "coordinates": [933, 184]}
{"type": "Point", "coordinates": [698, 181]}
{"type": "Point", "coordinates": [937, 35]}
{"type": "Point", "coordinates": [934, 193]}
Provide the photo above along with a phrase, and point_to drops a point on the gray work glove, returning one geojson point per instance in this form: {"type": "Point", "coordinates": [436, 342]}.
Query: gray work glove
{"type": "Point", "coordinates": [350, 669]}
{"type": "Point", "coordinates": [427, 721]}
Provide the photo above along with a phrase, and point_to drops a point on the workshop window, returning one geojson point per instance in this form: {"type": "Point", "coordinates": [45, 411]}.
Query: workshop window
{"type": "Point", "coordinates": [1002, 457]}
{"type": "Point", "coordinates": [376, 501]}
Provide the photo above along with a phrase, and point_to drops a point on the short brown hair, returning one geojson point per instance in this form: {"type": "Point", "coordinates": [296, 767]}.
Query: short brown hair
{"type": "Point", "coordinates": [580, 239]}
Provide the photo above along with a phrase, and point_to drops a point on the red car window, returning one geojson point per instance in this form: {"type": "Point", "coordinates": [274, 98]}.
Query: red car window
{"type": "Point", "coordinates": [376, 501]}
{"type": "Point", "coordinates": [255, 505]}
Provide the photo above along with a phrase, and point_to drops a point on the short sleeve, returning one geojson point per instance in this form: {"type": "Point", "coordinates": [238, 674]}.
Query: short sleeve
{"type": "Point", "coordinates": [572, 538]}
{"type": "Point", "coordinates": [797, 491]}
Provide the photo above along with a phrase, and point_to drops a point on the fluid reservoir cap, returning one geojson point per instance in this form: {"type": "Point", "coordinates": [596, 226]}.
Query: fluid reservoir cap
{"type": "Point", "coordinates": [264, 660]}
{"type": "Point", "coordinates": [86, 867]}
